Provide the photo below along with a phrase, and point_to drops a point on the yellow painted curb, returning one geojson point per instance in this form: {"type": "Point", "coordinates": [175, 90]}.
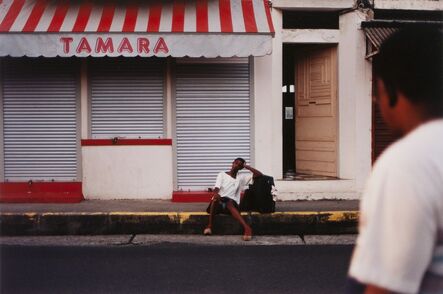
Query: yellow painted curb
{"type": "Point", "coordinates": [333, 214]}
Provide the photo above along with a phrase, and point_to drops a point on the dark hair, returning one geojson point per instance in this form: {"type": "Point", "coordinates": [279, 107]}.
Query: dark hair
{"type": "Point", "coordinates": [241, 159]}
{"type": "Point", "coordinates": [410, 62]}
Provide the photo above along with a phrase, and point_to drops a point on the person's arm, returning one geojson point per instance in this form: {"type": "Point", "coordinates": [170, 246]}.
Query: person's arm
{"type": "Point", "coordinates": [218, 184]}
{"type": "Point", "coordinates": [215, 195]}
{"type": "Point", "coordinates": [355, 287]}
{"type": "Point", "coordinates": [371, 289]}
{"type": "Point", "coordinates": [255, 173]}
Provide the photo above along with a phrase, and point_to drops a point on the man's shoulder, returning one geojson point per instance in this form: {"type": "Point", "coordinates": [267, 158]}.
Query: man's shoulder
{"type": "Point", "coordinates": [398, 155]}
{"type": "Point", "coordinates": [408, 166]}
{"type": "Point", "coordinates": [221, 176]}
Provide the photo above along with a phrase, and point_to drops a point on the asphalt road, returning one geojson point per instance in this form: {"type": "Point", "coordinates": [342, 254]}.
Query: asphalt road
{"type": "Point", "coordinates": [174, 268]}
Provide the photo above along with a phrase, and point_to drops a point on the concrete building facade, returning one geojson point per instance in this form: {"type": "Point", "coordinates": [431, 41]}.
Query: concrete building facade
{"type": "Point", "coordinates": [200, 112]}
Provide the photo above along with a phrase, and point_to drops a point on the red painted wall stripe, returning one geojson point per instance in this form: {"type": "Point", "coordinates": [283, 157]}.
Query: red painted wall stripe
{"type": "Point", "coordinates": [155, 11]}
{"type": "Point", "coordinates": [268, 16]}
{"type": "Point", "coordinates": [109, 142]}
{"type": "Point", "coordinates": [82, 17]}
{"type": "Point", "coordinates": [34, 17]}
{"type": "Point", "coordinates": [178, 16]}
{"type": "Point", "coordinates": [41, 192]}
{"type": "Point", "coordinates": [249, 16]}
{"type": "Point", "coordinates": [130, 18]}
{"type": "Point", "coordinates": [106, 18]}
{"type": "Point", "coordinates": [202, 16]}
{"type": "Point", "coordinates": [225, 16]}
{"type": "Point", "coordinates": [59, 16]}
{"type": "Point", "coordinates": [17, 187]}
{"type": "Point", "coordinates": [191, 196]}
{"type": "Point", "coordinates": [11, 16]}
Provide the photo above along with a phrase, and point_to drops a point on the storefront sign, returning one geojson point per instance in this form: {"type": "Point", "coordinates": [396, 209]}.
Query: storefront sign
{"type": "Point", "coordinates": [219, 28]}
{"type": "Point", "coordinates": [135, 44]}
{"type": "Point", "coordinates": [110, 45]}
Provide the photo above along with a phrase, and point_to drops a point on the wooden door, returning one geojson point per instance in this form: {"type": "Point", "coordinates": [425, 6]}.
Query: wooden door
{"type": "Point", "coordinates": [316, 112]}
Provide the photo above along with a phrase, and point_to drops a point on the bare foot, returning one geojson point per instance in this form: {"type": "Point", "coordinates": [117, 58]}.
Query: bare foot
{"type": "Point", "coordinates": [247, 235]}
{"type": "Point", "coordinates": [207, 231]}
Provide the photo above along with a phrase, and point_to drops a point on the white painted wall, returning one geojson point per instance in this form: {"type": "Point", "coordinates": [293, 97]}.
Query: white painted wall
{"type": "Point", "coordinates": [355, 103]}
{"type": "Point", "coordinates": [409, 4]}
{"type": "Point", "coordinates": [268, 106]}
{"type": "Point", "coordinates": [354, 113]}
{"type": "Point", "coordinates": [316, 190]}
{"type": "Point", "coordinates": [310, 36]}
{"type": "Point", "coordinates": [313, 4]}
{"type": "Point", "coordinates": [127, 172]}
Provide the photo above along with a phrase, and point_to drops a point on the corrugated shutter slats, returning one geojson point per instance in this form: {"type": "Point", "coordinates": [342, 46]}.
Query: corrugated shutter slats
{"type": "Point", "coordinates": [382, 135]}
{"type": "Point", "coordinates": [212, 121]}
{"type": "Point", "coordinates": [127, 98]}
{"type": "Point", "coordinates": [39, 120]}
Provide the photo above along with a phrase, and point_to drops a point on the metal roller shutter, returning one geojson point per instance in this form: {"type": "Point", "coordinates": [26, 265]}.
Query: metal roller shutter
{"type": "Point", "coordinates": [40, 119]}
{"type": "Point", "coordinates": [127, 98]}
{"type": "Point", "coordinates": [212, 121]}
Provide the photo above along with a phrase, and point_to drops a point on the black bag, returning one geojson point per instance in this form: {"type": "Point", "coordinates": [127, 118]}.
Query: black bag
{"type": "Point", "coordinates": [247, 201]}
{"type": "Point", "coordinates": [259, 196]}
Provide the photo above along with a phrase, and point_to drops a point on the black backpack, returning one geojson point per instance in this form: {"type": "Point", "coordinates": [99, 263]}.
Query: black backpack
{"type": "Point", "coordinates": [259, 196]}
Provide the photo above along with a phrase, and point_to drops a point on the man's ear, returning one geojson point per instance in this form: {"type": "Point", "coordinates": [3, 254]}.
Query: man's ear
{"type": "Point", "coordinates": [392, 101]}
{"type": "Point", "coordinates": [392, 95]}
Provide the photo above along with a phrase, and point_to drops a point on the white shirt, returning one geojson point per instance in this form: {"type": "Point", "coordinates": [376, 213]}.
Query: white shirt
{"type": "Point", "coordinates": [400, 245]}
{"type": "Point", "coordinates": [230, 187]}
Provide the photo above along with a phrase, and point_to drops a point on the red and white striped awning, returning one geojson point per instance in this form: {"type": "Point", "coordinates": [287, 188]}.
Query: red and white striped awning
{"type": "Point", "coordinates": [195, 28]}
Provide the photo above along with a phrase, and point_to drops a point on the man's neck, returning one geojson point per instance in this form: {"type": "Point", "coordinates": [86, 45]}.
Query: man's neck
{"type": "Point", "coordinates": [416, 120]}
{"type": "Point", "coordinates": [412, 115]}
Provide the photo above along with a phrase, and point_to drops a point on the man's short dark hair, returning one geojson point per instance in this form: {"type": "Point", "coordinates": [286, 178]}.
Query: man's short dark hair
{"type": "Point", "coordinates": [241, 159]}
{"type": "Point", "coordinates": [410, 62]}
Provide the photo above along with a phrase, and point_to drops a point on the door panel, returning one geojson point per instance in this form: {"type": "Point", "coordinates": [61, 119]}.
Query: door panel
{"type": "Point", "coordinates": [316, 119]}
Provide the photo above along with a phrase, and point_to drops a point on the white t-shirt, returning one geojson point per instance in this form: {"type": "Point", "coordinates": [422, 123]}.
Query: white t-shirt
{"type": "Point", "coordinates": [230, 187]}
{"type": "Point", "coordinates": [400, 245]}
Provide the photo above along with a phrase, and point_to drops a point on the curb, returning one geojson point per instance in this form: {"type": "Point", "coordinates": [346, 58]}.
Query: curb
{"type": "Point", "coordinates": [101, 223]}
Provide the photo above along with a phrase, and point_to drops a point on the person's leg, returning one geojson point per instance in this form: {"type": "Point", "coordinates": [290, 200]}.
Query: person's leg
{"type": "Point", "coordinates": [247, 235]}
{"type": "Point", "coordinates": [212, 210]}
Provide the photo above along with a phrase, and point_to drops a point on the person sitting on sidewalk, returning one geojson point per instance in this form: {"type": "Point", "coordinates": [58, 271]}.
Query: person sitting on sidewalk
{"type": "Point", "coordinates": [226, 196]}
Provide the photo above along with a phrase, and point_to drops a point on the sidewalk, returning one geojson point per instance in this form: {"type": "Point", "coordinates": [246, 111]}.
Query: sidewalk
{"type": "Point", "coordinates": [102, 217]}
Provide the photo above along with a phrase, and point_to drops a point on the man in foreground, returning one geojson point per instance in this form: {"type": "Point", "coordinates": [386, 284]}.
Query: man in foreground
{"type": "Point", "coordinates": [226, 196]}
{"type": "Point", "coordinates": [400, 245]}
